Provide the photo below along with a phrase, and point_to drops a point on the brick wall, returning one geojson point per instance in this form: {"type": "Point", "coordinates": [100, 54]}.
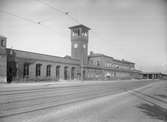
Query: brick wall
{"type": "Point", "coordinates": [32, 70]}
{"type": "Point", "coordinates": [3, 68]}
{"type": "Point", "coordinates": [3, 59]}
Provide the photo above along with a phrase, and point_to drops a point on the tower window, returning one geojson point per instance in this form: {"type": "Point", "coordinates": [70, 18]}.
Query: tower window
{"type": "Point", "coordinates": [3, 43]}
{"type": "Point", "coordinates": [48, 70]}
{"type": "Point", "coordinates": [75, 45]}
{"type": "Point", "coordinates": [73, 33]}
{"type": "Point", "coordinates": [84, 34]}
{"type": "Point", "coordinates": [78, 32]}
{"type": "Point", "coordinates": [38, 69]}
{"type": "Point", "coordinates": [26, 70]}
{"type": "Point", "coordinates": [84, 46]}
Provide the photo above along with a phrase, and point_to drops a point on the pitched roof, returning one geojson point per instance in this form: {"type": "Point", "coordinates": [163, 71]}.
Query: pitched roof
{"type": "Point", "coordinates": [79, 26]}
{"type": "Point", "coordinates": [45, 57]}
{"type": "Point", "coordinates": [103, 55]}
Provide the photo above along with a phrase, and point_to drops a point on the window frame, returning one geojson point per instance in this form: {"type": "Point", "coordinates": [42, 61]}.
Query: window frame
{"type": "Point", "coordinates": [2, 43]}
{"type": "Point", "coordinates": [26, 70]}
{"type": "Point", "coordinates": [48, 70]}
{"type": "Point", "coordinates": [38, 70]}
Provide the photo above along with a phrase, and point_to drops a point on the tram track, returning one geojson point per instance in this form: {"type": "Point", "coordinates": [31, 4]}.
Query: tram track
{"type": "Point", "coordinates": [58, 97]}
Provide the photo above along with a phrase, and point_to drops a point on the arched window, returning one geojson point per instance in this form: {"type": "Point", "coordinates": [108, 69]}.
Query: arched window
{"type": "Point", "coordinates": [38, 69]}
{"type": "Point", "coordinates": [72, 73]}
{"type": "Point", "coordinates": [26, 70]}
{"type": "Point", "coordinates": [48, 70]}
{"type": "Point", "coordinates": [65, 73]}
{"type": "Point", "coordinates": [57, 72]}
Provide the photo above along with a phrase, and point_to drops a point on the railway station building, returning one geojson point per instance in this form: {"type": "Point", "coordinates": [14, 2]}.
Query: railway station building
{"type": "Point", "coordinates": [154, 75]}
{"type": "Point", "coordinates": [23, 66]}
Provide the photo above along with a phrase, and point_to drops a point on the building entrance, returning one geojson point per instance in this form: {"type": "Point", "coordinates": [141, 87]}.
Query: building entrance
{"type": "Point", "coordinates": [65, 73]}
{"type": "Point", "coordinates": [11, 71]}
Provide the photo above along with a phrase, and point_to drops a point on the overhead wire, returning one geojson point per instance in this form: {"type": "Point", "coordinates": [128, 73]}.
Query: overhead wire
{"type": "Point", "coordinates": [66, 13]}
{"type": "Point", "coordinates": [26, 19]}
{"type": "Point", "coordinates": [40, 22]}
{"type": "Point", "coordinates": [18, 16]}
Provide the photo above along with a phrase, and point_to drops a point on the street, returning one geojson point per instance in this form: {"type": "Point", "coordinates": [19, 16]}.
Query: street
{"type": "Point", "coordinates": [139, 101]}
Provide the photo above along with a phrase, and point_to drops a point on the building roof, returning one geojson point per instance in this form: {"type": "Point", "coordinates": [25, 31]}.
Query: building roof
{"type": "Point", "coordinates": [152, 73]}
{"type": "Point", "coordinates": [3, 36]}
{"type": "Point", "coordinates": [44, 57]}
{"type": "Point", "coordinates": [123, 61]}
{"type": "Point", "coordinates": [102, 55]}
{"type": "Point", "coordinates": [76, 26]}
{"type": "Point", "coordinates": [111, 68]}
{"type": "Point", "coordinates": [98, 55]}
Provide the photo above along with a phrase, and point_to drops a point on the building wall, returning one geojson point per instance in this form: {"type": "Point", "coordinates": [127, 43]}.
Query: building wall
{"type": "Point", "coordinates": [3, 67]}
{"type": "Point", "coordinates": [90, 72]}
{"type": "Point", "coordinates": [3, 60]}
{"type": "Point", "coordinates": [110, 68]}
{"type": "Point", "coordinates": [34, 59]}
{"type": "Point", "coordinates": [94, 74]}
{"type": "Point", "coordinates": [154, 75]}
{"type": "Point", "coordinates": [101, 73]}
{"type": "Point", "coordinates": [109, 62]}
{"type": "Point", "coordinates": [123, 75]}
{"type": "Point", "coordinates": [43, 76]}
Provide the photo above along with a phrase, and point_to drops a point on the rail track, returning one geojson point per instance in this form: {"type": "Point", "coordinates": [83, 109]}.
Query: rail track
{"type": "Point", "coordinates": [22, 101]}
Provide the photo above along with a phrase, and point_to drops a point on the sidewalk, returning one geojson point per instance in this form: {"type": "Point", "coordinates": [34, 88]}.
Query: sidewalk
{"type": "Point", "coordinates": [59, 83]}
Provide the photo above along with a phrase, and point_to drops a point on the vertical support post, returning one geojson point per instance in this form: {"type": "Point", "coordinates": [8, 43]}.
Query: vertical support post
{"type": "Point", "coordinates": [3, 60]}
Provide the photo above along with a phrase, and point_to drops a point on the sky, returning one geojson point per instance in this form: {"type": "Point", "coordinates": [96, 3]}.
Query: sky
{"type": "Point", "coordinates": [134, 30]}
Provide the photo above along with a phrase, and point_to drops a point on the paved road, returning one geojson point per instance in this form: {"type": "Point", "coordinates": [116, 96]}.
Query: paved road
{"type": "Point", "coordinates": [38, 102]}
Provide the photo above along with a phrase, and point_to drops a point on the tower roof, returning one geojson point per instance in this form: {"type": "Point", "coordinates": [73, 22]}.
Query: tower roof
{"type": "Point", "coordinates": [76, 26]}
{"type": "Point", "coordinates": [2, 36]}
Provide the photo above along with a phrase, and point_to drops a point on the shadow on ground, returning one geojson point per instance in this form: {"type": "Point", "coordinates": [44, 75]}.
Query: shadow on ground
{"type": "Point", "coordinates": [162, 96]}
{"type": "Point", "coordinates": [150, 108]}
{"type": "Point", "coordinates": [154, 111]}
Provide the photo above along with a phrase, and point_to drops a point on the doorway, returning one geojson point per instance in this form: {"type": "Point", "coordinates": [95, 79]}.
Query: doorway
{"type": "Point", "coordinates": [65, 73]}
{"type": "Point", "coordinates": [57, 72]}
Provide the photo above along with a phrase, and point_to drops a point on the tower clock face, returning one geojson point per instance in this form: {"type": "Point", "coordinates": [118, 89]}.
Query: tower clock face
{"type": "Point", "coordinates": [75, 45]}
{"type": "Point", "coordinates": [84, 46]}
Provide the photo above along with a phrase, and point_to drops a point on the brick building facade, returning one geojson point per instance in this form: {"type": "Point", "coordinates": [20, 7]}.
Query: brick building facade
{"type": "Point", "coordinates": [16, 65]}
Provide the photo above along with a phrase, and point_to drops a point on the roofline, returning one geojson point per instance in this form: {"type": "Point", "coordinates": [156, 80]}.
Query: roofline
{"type": "Point", "coordinates": [152, 73]}
{"type": "Point", "coordinates": [102, 55]}
{"type": "Point", "coordinates": [124, 61]}
{"type": "Point", "coordinates": [3, 36]}
{"type": "Point", "coordinates": [80, 25]}
{"type": "Point", "coordinates": [40, 54]}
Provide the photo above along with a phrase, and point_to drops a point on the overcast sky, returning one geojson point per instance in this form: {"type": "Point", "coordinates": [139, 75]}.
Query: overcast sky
{"type": "Point", "coordinates": [134, 30]}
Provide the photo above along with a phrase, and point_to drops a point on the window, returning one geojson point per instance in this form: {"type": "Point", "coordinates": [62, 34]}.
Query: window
{"type": "Point", "coordinates": [84, 46]}
{"type": "Point", "coordinates": [73, 33]}
{"type": "Point", "coordinates": [3, 43]}
{"type": "Point", "coordinates": [26, 70]}
{"type": "Point", "coordinates": [107, 65]}
{"type": "Point", "coordinates": [48, 70]}
{"type": "Point", "coordinates": [78, 31]}
{"type": "Point", "coordinates": [75, 45]}
{"type": "Point", "coordinates": [38, 69]}
{"type": "Point", "coordinates": [98, 63]}
{"type": "Point", "coordinates": [84, 34]}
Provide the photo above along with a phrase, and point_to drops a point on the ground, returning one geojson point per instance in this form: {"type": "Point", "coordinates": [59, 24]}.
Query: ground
{"type": "Point", "coordinates": [118, 101]}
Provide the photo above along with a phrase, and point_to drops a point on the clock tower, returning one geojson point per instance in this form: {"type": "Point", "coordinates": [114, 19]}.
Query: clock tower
{"type": "Point", "coordinates": [79, 43]}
